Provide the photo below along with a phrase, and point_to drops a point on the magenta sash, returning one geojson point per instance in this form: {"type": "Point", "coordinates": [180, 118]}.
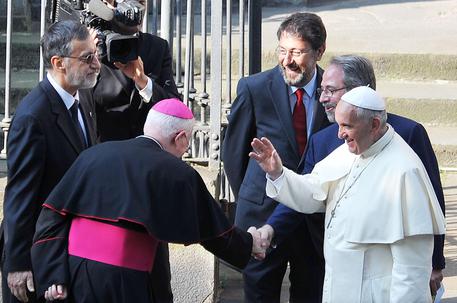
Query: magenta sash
{"type": "Point", "coordinates": [114, 245]}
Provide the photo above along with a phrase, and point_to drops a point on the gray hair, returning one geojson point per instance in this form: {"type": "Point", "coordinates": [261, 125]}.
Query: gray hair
{"type": "Point", "coordinates": [367, 115]}
{"type": "Point", "coordinates": [358, 71]}
{"type": "Point", "coordinates": [306, 26]}
{"type": "Point", "coordinates": [167, 125]}
{"type": "Point", "coordinates": [56, 41]}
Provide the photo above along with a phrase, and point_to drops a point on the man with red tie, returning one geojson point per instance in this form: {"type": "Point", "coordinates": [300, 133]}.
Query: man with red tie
{"type": "Point", "coordinates": [281, 104]}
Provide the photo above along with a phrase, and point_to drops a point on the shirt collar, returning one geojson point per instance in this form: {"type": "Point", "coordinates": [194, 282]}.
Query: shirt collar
{"type": "Point", "coordinates": [310, 87]}
{"type": "Point", "coordinates": [67, 98]}
{"type": "Point", "coordinates": [379, 145]}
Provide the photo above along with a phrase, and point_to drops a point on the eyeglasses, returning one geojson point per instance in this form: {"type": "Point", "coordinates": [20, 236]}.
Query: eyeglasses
{"type": "Point", "coordinates": [328, 92]}
{"type": "Point", "coordinates": [296, 53]}
{"type": "Point", "coordinates": [85, 59]}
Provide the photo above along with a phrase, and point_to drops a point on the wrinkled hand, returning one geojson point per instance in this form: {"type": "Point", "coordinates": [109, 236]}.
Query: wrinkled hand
{"type": "Point", "coordinates": [258, 252]}
{"type": "Point", "coordinates": [266, 155]}
{"type": "Point", "coordinates": [19, 282]}
{"type": "Point", "coordinates": [266, 235]}
{"type": "Point", "coordinates": [56, 292]}
{"type": "Point", "coordinates": [134, 70]}
{"type": "Point", "coordinates": [435, 280]}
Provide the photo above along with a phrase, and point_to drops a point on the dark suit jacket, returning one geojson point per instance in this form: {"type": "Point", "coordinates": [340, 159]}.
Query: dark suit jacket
{"type": "Point", "coordinates": [114, 89]}
{"type": "Point", "coordinates": [261, 109]}
{"type": "Point", "coordinates": [42, 145]}
{"type": "Point", "coordinates": [284, 220]}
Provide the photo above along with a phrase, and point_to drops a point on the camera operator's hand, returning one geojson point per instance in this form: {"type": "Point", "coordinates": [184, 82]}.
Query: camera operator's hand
{"type": "Point", "coordinates": [135, 71]}
{"type": "Point", "coordinates": [110, 3]}
{"type": "Point", "coordinates": [94, 35]}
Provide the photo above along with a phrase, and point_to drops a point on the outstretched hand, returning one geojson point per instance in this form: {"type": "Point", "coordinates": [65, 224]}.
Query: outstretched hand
{"type": "Point", "coordinates": [258, 251]}
{"type": "Point", "coordinates": [262, 238]}
{"type": "Point", "coordinates": [266, 155]}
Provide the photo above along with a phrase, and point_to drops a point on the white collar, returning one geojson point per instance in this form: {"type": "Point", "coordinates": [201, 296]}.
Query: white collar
{"type": "Point", "coordinates": [66, 97]}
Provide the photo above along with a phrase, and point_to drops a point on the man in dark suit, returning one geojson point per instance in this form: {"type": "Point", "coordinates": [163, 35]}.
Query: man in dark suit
{"type": "Point", "coordinates": [281, 104]}
{"type": "Point", "coordinates": [343, 74]}
{"type": "Point", "coordinates": [124, 93]}
{"type": "Point", "coordinates": [49, 130]}
{"type": "Point", "coordinates": [122, 98]}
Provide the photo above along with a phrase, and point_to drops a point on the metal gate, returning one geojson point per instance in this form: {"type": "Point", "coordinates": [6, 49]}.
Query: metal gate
{"type": "Point", "coordinates": [213, 43]}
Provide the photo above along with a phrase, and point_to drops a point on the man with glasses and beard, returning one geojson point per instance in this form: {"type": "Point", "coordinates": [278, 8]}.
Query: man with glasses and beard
{"type": "Point", "coordinates": [281, 104]}
{"type": "Point", "coordinates": [49, 130]}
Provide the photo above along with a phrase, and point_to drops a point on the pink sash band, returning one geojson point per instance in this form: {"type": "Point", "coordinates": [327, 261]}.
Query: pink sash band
{"type": "Point", "coordinates": [114, 245]}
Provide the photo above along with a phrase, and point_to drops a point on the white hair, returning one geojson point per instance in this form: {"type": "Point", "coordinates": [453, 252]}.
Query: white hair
{"type": "Point", "coordinates": [167, 126]}
{"type": "Point", "coordinates": [368, 114]}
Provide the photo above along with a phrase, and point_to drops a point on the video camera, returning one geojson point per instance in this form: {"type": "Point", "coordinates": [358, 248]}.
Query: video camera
{"type": "Point", "coordinates": [116, 28]}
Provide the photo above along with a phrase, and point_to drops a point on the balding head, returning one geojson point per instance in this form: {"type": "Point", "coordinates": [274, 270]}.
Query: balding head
{"type": "Point", "coordinates": [170, 122]}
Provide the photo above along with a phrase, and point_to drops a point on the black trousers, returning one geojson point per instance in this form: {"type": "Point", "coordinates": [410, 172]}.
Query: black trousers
{"type": "Point", "coordinates": [263, 279]}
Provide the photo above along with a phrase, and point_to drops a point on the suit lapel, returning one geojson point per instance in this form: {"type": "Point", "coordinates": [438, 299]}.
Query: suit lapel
{"type": "Point", "coordinates": [280, 98]}
{"type": "Point", "coordinates": [63, 119]}
{"type": "Point", "coordinates": [89, 122]}
{"type": "Point", "coordinates": [320, 118]}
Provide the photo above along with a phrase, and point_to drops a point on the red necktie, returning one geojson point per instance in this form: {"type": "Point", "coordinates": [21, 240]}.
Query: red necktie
{"type": "Point", "coordinates": [299, 121]}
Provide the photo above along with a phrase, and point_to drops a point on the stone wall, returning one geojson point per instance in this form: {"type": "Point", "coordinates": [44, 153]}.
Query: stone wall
{"type": "Point", "coordinates": [193, 269]}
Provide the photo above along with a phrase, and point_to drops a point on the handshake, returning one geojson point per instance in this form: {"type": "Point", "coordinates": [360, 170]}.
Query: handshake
{"type": "Point", "coordinates": [261, 240]}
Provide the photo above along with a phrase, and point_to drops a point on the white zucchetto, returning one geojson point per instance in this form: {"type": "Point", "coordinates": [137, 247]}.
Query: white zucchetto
{"type": "Point", "coordinates": [364, 97]}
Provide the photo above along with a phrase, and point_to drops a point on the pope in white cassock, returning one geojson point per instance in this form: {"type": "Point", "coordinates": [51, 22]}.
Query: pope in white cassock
{"type": "Point", "coordinates": [381, 211]}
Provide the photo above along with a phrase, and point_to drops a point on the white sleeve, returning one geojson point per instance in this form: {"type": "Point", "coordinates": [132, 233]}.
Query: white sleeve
{"type": "Point", "coordinates": [412, 267]}
{"type": "Point", "coordinates": [302, 193]}
{"type": "Point", "coordinates": [146, 92]}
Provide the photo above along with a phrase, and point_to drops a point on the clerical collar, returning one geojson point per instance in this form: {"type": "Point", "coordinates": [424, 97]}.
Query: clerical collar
{"type": "Point", "coordinates": [379, 145]}
{"type": "Point", "coordinates": [153, 139]}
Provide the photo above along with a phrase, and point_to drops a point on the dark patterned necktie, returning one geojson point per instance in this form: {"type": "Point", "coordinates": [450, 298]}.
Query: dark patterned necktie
{"type": "Point", "coordinates": [299, 121]}
{"type": "Point", "coordinates": [74, 118]}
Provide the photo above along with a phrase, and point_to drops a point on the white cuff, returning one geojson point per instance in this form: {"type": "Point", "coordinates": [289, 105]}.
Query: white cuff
{"type": "Point", "coordinates": [146, 92]}
{"type": "Point", "coordinates": [277, 183]}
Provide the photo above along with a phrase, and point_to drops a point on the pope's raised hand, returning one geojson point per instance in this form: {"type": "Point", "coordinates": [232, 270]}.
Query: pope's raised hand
{"type": "Point", "coordinates": [266, 155]}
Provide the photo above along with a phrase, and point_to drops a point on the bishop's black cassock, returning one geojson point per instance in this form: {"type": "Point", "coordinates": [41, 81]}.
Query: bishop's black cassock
{"type": "Point", "coordinates": [131, 185]}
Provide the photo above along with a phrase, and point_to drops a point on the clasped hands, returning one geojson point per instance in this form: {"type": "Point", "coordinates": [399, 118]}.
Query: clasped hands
{"type": "Point", "coordinates": [261, 240]}
{"type": "Point", "coordinates": [268, 159]}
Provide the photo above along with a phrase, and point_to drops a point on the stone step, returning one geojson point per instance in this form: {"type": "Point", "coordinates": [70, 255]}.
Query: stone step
{"type": "Point", "coordinates": [426, 89]}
